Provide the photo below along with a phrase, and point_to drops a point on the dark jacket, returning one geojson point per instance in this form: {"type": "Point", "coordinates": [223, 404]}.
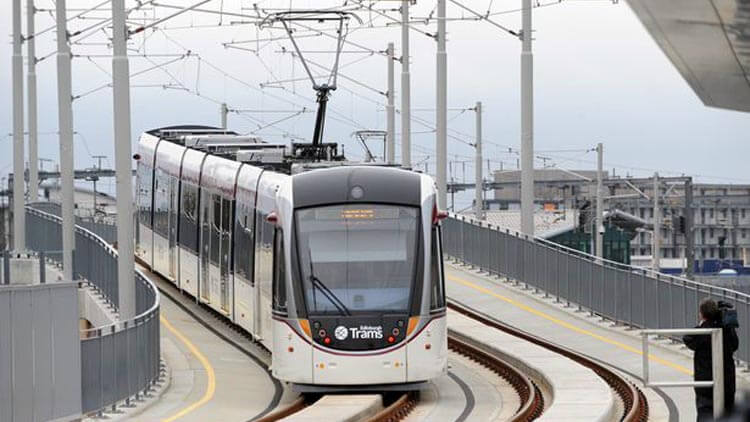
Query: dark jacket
{"type": "Point", "coordinates": [702, 365]}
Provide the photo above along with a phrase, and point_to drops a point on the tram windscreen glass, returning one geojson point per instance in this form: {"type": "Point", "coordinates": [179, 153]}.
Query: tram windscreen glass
{"type": "Point", "coordinates": [358, 257]}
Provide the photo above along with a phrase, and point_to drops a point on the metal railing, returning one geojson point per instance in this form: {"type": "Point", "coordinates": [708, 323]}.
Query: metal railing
{"type": "Point", "coordinates": [119, 361]}
{"type": "Point", "coordinates": [103, 228]}
{"type": "Point", "coordinates": [628, 295]}
{"type": "Point", "coordinates": [717, 363]}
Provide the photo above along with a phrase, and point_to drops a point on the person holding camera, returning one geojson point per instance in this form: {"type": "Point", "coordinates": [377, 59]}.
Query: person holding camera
{"type": "Point", "coordinates": [713, 315]}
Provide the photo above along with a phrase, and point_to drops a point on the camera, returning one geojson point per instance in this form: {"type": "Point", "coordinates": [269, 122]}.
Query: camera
{"type": "Point", "coordinates": [728, 314]}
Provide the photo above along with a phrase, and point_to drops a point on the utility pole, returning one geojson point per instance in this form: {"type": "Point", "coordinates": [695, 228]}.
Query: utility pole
{"type": "Point", "coordinates": [65, 124]}
{"type": "Point", "coordinates": [405, 88]}
{"type": "Point", "coordinates": [123, 168]}
{"type": "Point", "coordinates": [19, 214]}
{"type": "Point", "coordinates": [655, 238]}
{"type": "Point", "coordinates": [689, 235]}
{"type": "Point", "coordinates": [479, 179]}
{"type": "Point", "coordinates": [599, 200]}
{"type": "Point", "coordinates": [31, 93]}
{"type": "Point", "coordinates": [527, 125]}
{"type": "Point", "coordinates": [390, 109]}
{"type": "Point", "coordinates": [224, 112]}
{"type": "Point", "coordinates": [441, 141]}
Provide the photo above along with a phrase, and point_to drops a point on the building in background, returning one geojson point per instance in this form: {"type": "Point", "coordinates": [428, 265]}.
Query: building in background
{"type": "Point", "coordinates": [721, 214]}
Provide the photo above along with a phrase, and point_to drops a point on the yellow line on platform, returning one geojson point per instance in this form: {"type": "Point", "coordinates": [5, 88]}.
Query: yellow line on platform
{"type": "Point", "coordinates": [570, 326]}
{"type": "Point", "coordinates": [210, 388]}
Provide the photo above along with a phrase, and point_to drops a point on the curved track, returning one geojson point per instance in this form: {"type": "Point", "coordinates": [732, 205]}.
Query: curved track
{"type": "Point", "coordinates": [633, 399]}
{"type": "Point", "coordinates": [226, 331]}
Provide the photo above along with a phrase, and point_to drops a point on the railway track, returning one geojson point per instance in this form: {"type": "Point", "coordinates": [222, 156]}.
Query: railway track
{"type": "Point", "coordinates": [530, 396]}
{"type": "Point", "coordinates": [397, 407]}
{"type": "Point", "coordinates": [633, 400]}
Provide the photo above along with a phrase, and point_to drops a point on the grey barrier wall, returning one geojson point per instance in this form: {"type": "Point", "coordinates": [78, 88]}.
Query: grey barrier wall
{"type": "Point", "coordinates": [106, 231]}
{"type": "Point", "coordinates": [624, 294]}
{"type": "Point", "coordinates": [118, 361]}
{"type": "Point", "coordinates": [40, 373]}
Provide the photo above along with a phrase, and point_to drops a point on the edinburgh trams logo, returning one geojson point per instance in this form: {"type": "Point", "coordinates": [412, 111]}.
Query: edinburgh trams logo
{"type": "Point", "coordinates": [362, 332]}
{"type": "Point", "coordinates": [341, 333]}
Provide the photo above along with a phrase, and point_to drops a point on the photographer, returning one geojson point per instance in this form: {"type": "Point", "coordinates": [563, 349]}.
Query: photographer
{"type": "Point", "coordinates": [711, 316]}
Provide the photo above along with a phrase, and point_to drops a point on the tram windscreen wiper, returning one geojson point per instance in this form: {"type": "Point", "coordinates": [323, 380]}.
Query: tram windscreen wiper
{"type": "Point", "coordinates": [316, 283]}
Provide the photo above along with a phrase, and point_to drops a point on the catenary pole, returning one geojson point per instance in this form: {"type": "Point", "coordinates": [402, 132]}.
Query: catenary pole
{"type": "Point", "coordinates": [65, 124]}
{"type": "Point", "coordinates": [391, 109]}
{"type": "Point", "coordinates": [599, 200]}
{"type": "Point", "coordinates": [224, 113]}
{"type": "Point", "coordinates": [123, 171]}
{"type": "Point", "coordinates": [527, 124]}
{"type": "Point", "coordinates": [441, 140]}
{"type": "Point", "coordinates": [19, 220]}
{"type": "Point", "coordinates": [656, 236]}
{"type": "Point", "coordinates": [478, 206]}
{"type": "Point", "coordinates": [405, 88]}
{"type": "Point", "coordinates": [689, 234]}
{"type": "Point", "coordinates": [31, 94]}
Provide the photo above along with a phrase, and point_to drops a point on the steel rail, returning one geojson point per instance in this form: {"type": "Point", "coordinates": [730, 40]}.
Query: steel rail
{"type": "Point", "coordinates": [531, 398]}
{"type": "Point", "coordinates": [635, 404]}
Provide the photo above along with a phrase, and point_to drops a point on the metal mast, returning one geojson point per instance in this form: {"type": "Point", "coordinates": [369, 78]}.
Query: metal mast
{"type": "Point", "coordinates": [405, 88]}
{"type": "Point", "coordinates": [527, 125]}
{"type": "Point", "coordinates": [65, 124]}
{"type": "Point", "coordinates": [599, 201]}
{"type": "Point", "coordinates": [391, 109]}
{"type": "Point", "coordinates": [689, 235]}
{"type": "Point", "coordinates": [224, 112]}
{"type": "Point", "coordinates": [19, 216]}
{"type": "Point", "coordinates": [31, 82]}
{"type": "Point", "coordinates": [655, 237]}
{"type": "Point", "coordinates": [123, 177]}
{"type": "Point", "coordinates": [441, 141]}
{"type": "Point", "coordinates": [479, 179]}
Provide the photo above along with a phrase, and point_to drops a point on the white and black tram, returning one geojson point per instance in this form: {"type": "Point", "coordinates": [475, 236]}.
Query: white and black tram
{"type": "Point", "coordinates": [335, 267]}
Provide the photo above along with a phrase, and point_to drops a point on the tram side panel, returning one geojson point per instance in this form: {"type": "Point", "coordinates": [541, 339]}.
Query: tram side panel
{"type": "Point", "coordinates": [144, 238]}
{"type": "Point", "coordinates": [245, 291]}
{"type": "Point", "coordinates": [165, 224]}
{"type": "Point", "coordinates": [189, 226]}
{"type": "Point", "coordinates": [264, 256]}
{"type": "Point", "coordinates": [292, 348]}
{"type": "Point", "coordinates": [168, 161]}
{"type": "Point", "coordinates": [218, 185]}
{"type": "Point", "coordinates": [427, 352]}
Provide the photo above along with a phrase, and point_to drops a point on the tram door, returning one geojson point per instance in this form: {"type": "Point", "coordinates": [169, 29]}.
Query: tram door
{"type": "Point", "coordinates": [173, 204]}
{"type": "Point", "coordinates": [225, 250]}
{"type": "Point", "coordinates": [206, 218]}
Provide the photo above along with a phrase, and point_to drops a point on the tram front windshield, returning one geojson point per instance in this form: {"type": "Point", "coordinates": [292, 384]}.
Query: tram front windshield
{"type": "Point", "coordinates": [357, 257]}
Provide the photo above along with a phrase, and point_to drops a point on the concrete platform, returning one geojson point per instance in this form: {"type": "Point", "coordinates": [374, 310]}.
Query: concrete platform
{"type": "Point", "coordinates": [340, 408]}
{"type": "Point", "coordinates": [575, 393]}
{"type": "Point", "coordinates": [616, 346]}
{"type": "Point", "coordinates": [209, 380]}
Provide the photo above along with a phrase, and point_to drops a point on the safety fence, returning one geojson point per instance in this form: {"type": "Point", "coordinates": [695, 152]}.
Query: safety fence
{"type": "Point", "coordinates": [637, 297]}
{"type": "Point", "coordinates": [118, 361]}
{"type": "Point", "coordinates": [105, 229]}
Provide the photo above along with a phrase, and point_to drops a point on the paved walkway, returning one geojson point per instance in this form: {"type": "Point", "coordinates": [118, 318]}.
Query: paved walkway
{"type": "Point", "coordinates": [209, 379]}
{"type": "Point", "coordinates": [578, 331]}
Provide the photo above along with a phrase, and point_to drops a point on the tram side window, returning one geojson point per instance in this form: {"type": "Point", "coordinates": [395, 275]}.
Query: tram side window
{"type": "Point", "coordinates": [279, 274]}
{"type": "Point", "coordinates": [215, 229]}
{"type": "Point", "coordinates": [189, 217]}
{"type": "Point", "coordinates": [226, 231]}
{"type": "Point", "coordinates": [437, 283]}
{"type": "Point", "coordinates": [243, 242]}
{"type": "Point", "coordinates": [145, 174]}
{"type": "Point", "coordinates": [162, 203]}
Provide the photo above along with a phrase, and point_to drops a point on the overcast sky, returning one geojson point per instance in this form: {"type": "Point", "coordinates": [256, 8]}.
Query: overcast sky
{"type": "Point", "coordinates": [598, 77]}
